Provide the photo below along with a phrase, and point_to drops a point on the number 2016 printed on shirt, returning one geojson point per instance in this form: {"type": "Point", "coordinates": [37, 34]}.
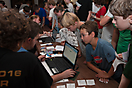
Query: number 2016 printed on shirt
{"type": "Point", "coordinates": [11, 73]}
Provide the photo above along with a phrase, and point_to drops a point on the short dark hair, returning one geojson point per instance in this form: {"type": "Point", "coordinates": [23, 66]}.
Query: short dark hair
{"type": "Point", "coordinates": [35, 29]}
{"type": "Point", "coordinates": [58, 8]}
{"type": "Point", "coordinates": [100, 2]}
{"type": "Point", "coordinates": [2, 2]}
{"type": "Point", "coordinates": [90, 26]}
{"type": "Point", "coordinates": [14, 28]}
{"type": "Point", "coordinates": [35, 7]}
{"type": "Point", "coordinates": [51, 3]}
{"type": "Point", "coordinates": [26, 9]}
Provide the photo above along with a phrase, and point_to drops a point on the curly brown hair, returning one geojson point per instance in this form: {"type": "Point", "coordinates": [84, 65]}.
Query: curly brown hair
{"type": "Point", "coordinates": [121, 8]}
{"type": "Point", "coordinates": [14, 28]}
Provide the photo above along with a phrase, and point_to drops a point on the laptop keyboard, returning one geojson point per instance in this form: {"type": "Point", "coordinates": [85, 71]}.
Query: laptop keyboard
{"type": "Point", "coordinates": [58, 65]}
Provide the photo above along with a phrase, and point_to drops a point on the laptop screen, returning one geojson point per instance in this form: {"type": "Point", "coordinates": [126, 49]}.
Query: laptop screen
{"type": "Point", "coordinates": [70, 53]}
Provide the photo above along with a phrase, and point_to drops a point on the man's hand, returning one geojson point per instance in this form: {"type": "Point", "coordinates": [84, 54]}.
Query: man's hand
{"type": "Point", "coordinates": [68, 73]}
{"type": "Point", "coordinates": [102, 74]}
{"type": "Point", "coordinates": [41, 57]}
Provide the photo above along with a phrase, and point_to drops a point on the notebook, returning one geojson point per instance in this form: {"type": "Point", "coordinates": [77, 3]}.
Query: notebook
{"type": "Point", "coordinates": [52, 38]}
{"type": "Point", "coordinates": [67, 61]}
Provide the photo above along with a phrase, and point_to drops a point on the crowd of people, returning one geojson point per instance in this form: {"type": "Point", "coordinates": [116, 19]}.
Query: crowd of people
{"type": "Point", "coordinates": [105, 31]}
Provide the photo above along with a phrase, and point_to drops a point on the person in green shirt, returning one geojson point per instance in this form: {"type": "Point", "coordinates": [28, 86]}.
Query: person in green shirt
{"type": "Point", "coordinates": [122, 11]}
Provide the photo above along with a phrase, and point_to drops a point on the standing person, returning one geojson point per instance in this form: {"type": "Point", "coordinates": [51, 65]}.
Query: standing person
{"type": "Point", "coordinates": [69, 5]}
{"type": "Point", "coordinates": [123, 20]}
{"type": "Point", "coordinates": [25, 11]}
{"type": "Point", "coordinates": [97, 16]}
{"type": "Point", "coordinates": [42, 14]}
{"type": "Point", "coordinates": [108, 28]}
{"type": "Point", "coordinates": [52, 16]}
{"type": "Point", "coordinates": [99, 51]}
{"type": "Point", "coordinates": [2, 6]}
{"type": "Point", "coordinates": [84, 9]}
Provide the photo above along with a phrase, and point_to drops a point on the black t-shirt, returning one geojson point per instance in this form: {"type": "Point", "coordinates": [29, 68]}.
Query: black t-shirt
{"type": "Point", "coordinates": [22, 70]}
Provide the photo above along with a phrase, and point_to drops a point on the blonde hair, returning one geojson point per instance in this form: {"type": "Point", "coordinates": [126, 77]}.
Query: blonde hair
{"type": "Point", "coordinates": [33, 17]}
{"type": "Point", "coordinates": [121, 8]}
{"type": "Point", "coordinates": [69, 19]}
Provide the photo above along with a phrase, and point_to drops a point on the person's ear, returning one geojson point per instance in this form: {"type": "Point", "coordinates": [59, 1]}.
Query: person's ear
{"type": "Point", "coordinates": [130, 19]}
{"type": "Point", "coordinates": [29, 40]}
{"type": "Point", "coordinates": [92, 34]}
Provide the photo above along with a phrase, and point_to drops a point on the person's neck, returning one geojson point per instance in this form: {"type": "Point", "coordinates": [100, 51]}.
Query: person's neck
{"type": "Point", "coordinates": [94, 42]}
{"type": "Point", "coordinates": [24, 46]}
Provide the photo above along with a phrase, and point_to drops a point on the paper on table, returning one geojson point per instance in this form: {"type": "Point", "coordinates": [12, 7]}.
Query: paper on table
{"type": "Point", "coordinates": [81, 82]}
{"type": "Point", "coordinates": [80, 87]}
{"type": "Point", "coordinates": [46, 44]}
{"type": "Point", "coordinates": [58, 35]}
{"type": "Point", "coordinates": [58, 40]}
{"type": "Point", "coordinates": [63, 80]}
{"type": "Point", "coordinates": [47, 68]}
{"type": "Point", "coordinates": [70, 85]}
{"type": "Point", "coordinates": [59, 48]}
{"type": "Point", "coordinates": [90, 82]}
{"type": "Point", "coordinates": [50, 48]}
{"type": "Point", "coordinates": [56, 55]}
{"type": "Point", "coordinates": [61, 86]}
{"type": "Point", "coordinates": [42, 53]}
{"type": "Point", "coordinates": [44, 36]}
{"type": "Point", "coordinates": [40, 41]}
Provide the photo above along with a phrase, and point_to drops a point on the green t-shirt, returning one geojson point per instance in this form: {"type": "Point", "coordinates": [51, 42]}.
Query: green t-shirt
{"type": "Point", "coordinates": [128, 72]}
{"type": "Point", "coordinates": [123, 41]}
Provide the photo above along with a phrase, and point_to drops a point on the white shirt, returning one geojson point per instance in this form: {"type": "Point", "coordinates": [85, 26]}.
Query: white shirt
{"type": "Point", "coordinates": [107, 30]}
{"type": "Point", "coordinates": [70, 7]}
{"type": "Point", "coordinates": [52, 14]}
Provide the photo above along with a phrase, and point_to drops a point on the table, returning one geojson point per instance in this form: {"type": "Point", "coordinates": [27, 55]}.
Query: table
{"type": "Point", "coordinates": [86, 73]}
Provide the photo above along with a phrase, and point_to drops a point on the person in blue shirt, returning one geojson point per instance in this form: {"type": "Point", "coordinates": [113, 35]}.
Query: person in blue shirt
{"type": "Point", "coordinates": [30, 42]}
{"type": "Point", "coordinates": [99, 51]}
{"type": "Point", "coordinates": [42, 14]}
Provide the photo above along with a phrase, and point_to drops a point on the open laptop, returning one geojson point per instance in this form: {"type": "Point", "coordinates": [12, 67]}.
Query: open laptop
{"type": "Point", "coordinates": [52, 38]}
{"type": "Point", "coordinates": [68, 60]}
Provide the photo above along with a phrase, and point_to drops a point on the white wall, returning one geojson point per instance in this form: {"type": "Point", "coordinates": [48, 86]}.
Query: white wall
{"type": "Point", "coordinates": [35, 1]}
{"type": "Point", "coordinates": [8, 3]}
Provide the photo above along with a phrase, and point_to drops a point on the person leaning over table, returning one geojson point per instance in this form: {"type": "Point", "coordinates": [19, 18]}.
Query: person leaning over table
{"type": "Point", "coordinates": [99, 51]}
{"type": "Point", "coordinates": [20, 70]}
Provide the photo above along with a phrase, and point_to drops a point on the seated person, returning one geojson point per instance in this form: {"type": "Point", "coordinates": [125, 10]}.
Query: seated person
{"type": "Point", "coordinates": [29, 43]}
{"type": "Point", "coordinates": [25, 11]}
{"type": "Point", "coordinates": [99, 51]}
{"type": "Point", "coordinates": [70, 32]}
{"type": "Point", "coordinates": [19, 69]}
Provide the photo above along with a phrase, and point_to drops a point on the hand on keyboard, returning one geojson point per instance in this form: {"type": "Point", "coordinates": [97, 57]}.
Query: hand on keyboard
{"type": "Point", "coordinates": [68, 73]}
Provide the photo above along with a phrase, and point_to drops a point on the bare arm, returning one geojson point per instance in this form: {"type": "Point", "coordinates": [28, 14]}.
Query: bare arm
{"type": "Point", "coordinates": [115, 37]}
{"type": "Point", "coordinates": [50, 18]}
{"type": "Point", "coordinates": [94, 68]}
{"type": "Point", "coordinates": [89, 16]}
{"type": "Point", "coordinates": [65, 74]}
{"type": "Point", "coordinates": [104, 20]}
{"type": "Point", "coordinates": [124, 82]}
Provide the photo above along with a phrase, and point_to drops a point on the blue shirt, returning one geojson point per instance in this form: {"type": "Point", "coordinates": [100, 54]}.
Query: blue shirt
{"type": "Point", "coordinates": [22, 50]}
{"type": "Point", "coordinates": [42, 13]}
{"type": "Point", "coordinates": [103, 55]}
